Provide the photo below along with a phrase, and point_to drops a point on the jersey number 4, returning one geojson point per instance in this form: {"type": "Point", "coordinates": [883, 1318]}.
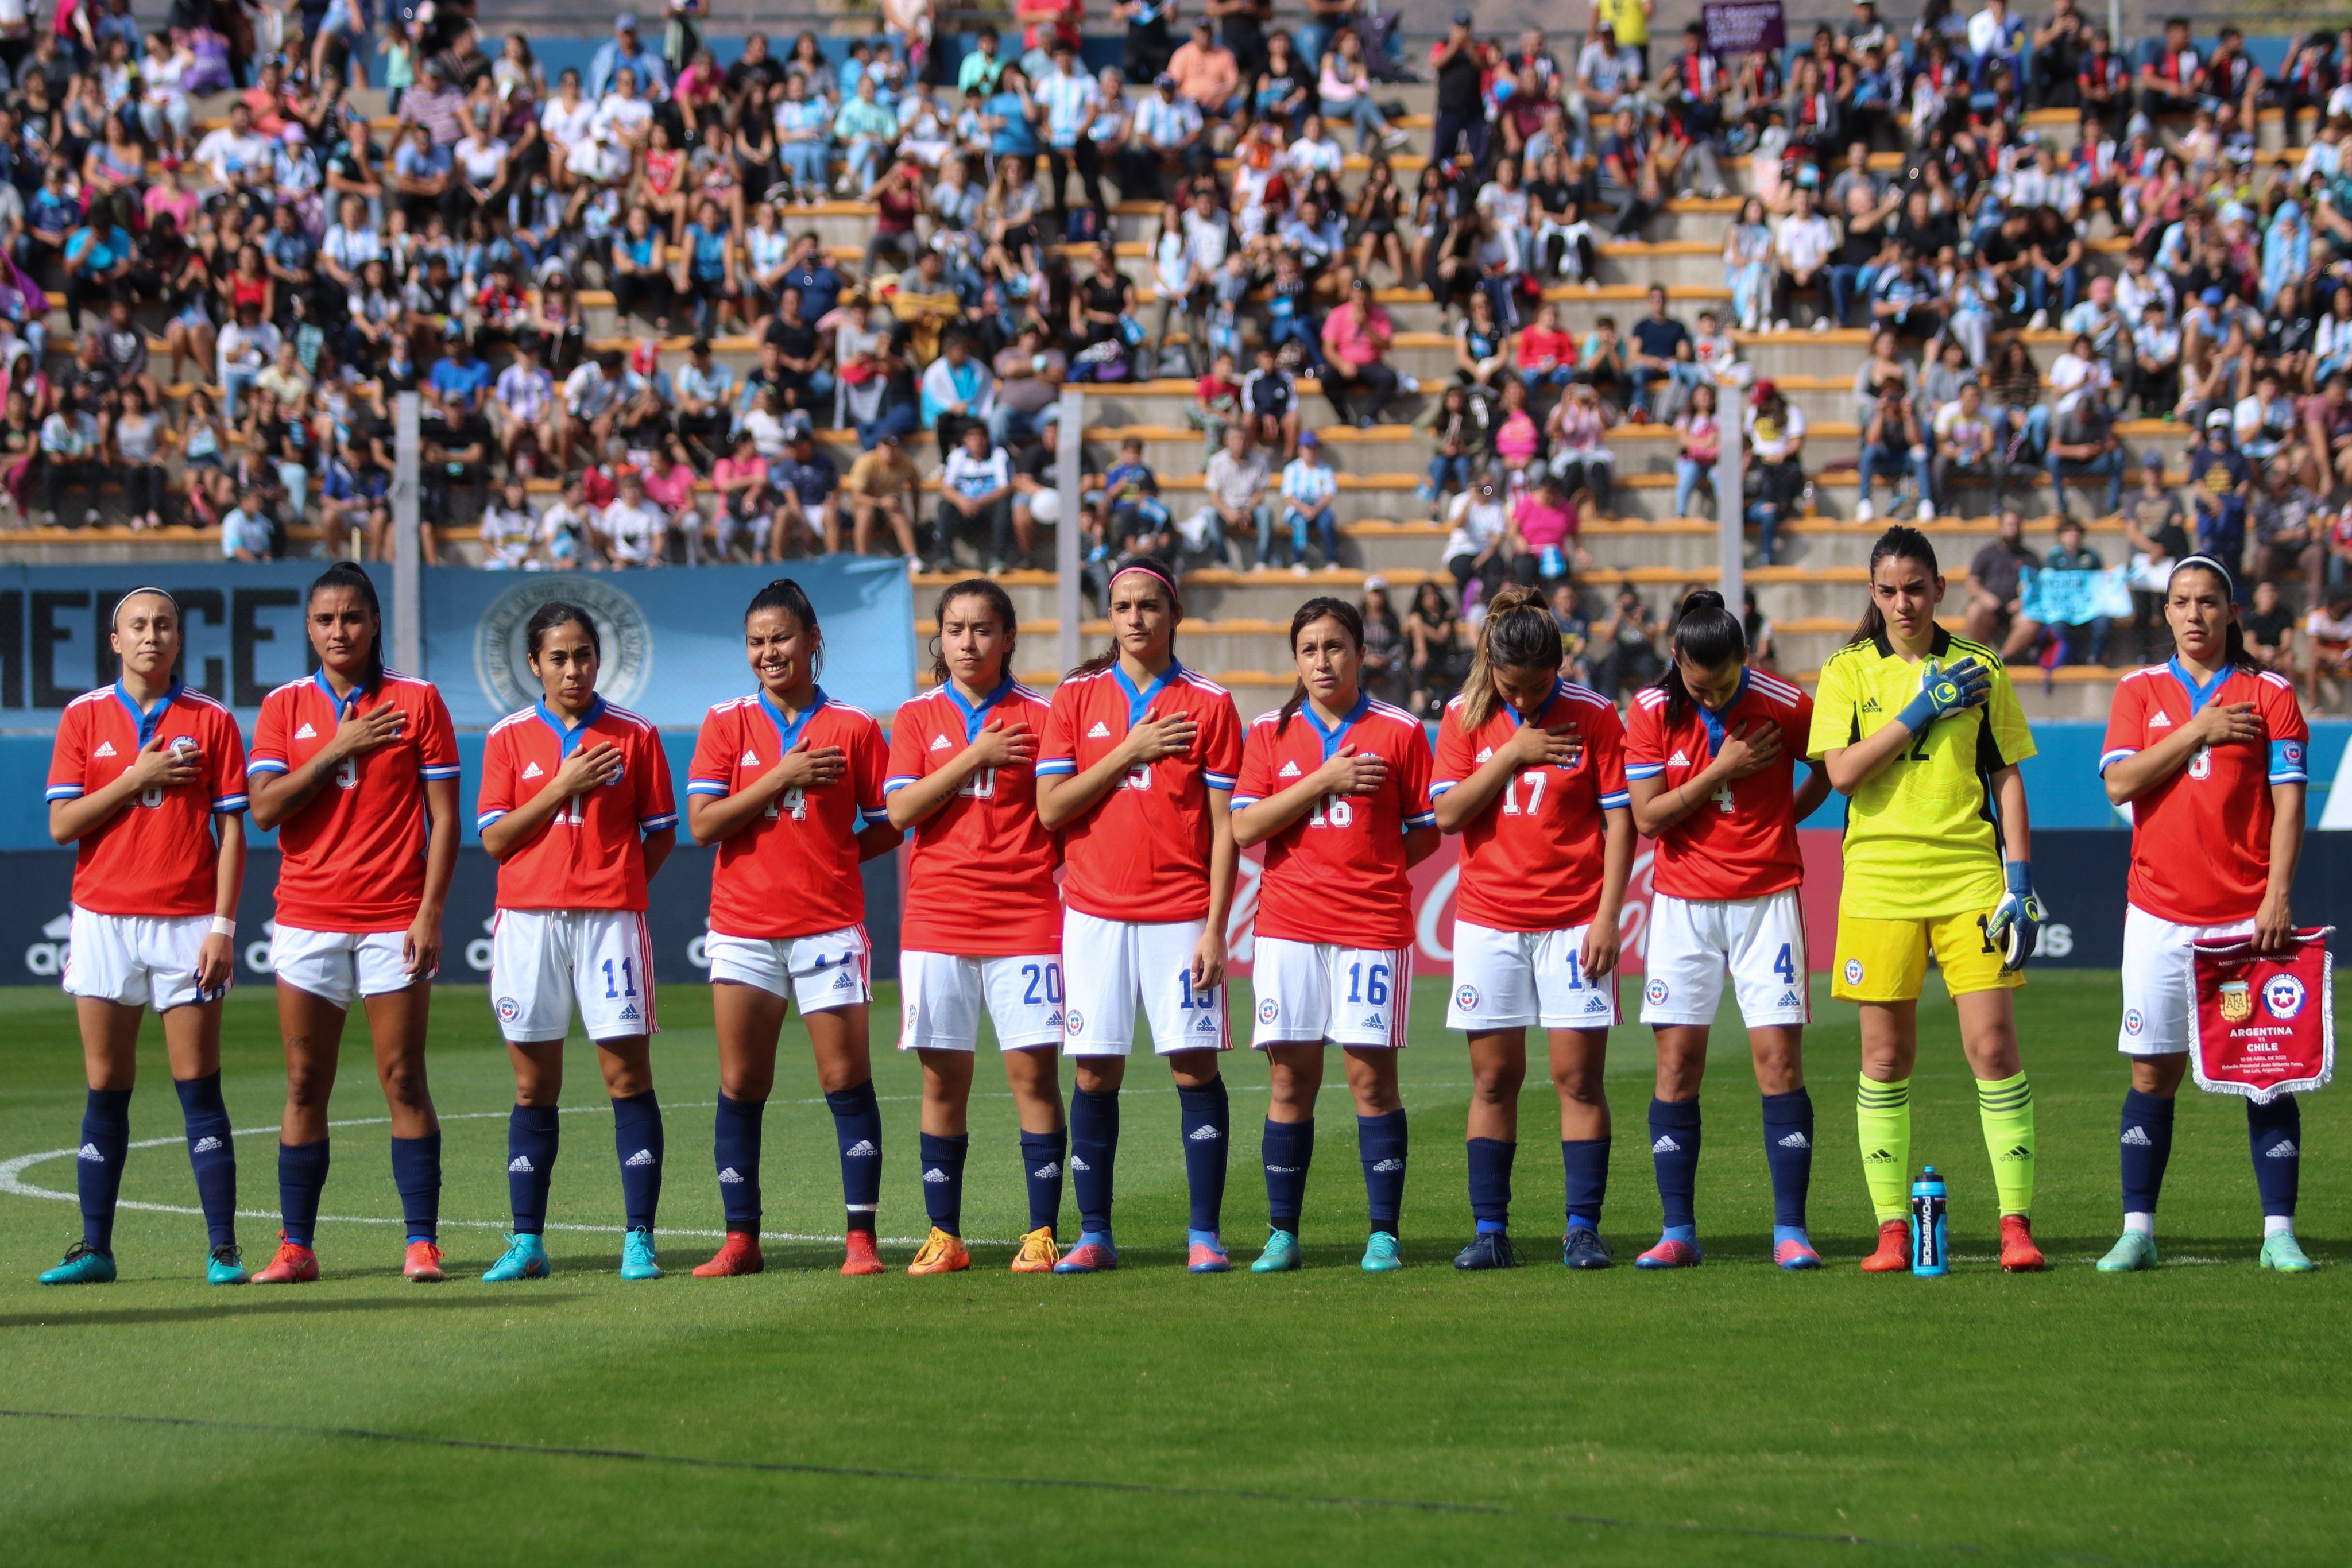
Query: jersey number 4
{"type": "Point", "coordinates": [792, 802]}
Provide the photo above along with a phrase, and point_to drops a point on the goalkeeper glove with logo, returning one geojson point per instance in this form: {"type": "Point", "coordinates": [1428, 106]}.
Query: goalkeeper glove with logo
{"type": "Point", "coordinates": [2017, 919]}
{"type": "Point", "coordinates": [1945, 692]}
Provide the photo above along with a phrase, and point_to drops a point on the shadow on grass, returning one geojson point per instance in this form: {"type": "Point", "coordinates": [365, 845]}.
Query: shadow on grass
{"type": "Point", "coordinates": [257, 1305]}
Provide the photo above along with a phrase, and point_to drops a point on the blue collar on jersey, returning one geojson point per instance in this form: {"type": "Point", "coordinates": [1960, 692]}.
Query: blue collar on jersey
{"type": "Point", "coordinates": [146, 722]}
{"type": "Point", "coordinates": [1331, 736]}
{"type": "Point", "coordinates": [2198, 696]}
{"type": "Point", "coordinates": [1713, 719]}
{"type": "Point", "coordinates": [568, 740]}
{"type": "Point", "coordinates": [1137, 701]}
{"type": "Point", "coordinates": [342, 705]}
{"type": "Point", "coordinates": [787, 735]}
{"type": "Point", "coordinates": [1550, 697]}
{"type": "Point", "coordinates": [975, 714]}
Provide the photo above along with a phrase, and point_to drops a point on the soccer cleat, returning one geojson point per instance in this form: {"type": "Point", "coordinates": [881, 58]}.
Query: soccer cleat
{"type": "Point", "coordinates": [1488, 1249]}
{"type": "Point", "coordinates": [1670, 1253]}
{"type": "Point", "coordinates": [1894, 1254]}
{"type": "Point", "coordinates": [637, 1256]}
{"type": "Point", "coordinates": [1281, 1254]}
{"type": "Point", "coordinates": [1089, 1258]}
{"type": "Point", "coordinates": [524, 1259]}
{"type": "Point", "coordinates": [1039, 1252]}
{"type": "Point", "coordinates": [941, 1253]}
{"type": "Point", "coordinates": [225, 1266]}
{"type": "Point", "coordinates": [2018, 1255]}
{"type": "Point", "coordinates": [423, 1264]}
{"type": "Point", "coordinates": [2283, 1252]}
{"type": "Point", "coordinates": [858, 1256]}
{"type": "Point", "coordinates": [2133, 1252]}
{"type": "Point", "coordinates": [82, 1267]}
{"type": "Point", "coordinates": [1208, 1258]}
{"type": "Point", "coordinates": [1583, 1248]}
{"type": "Point", "coordinates": [1795, 1253]}
{"type": "Point", "coordinates": [738, 1254]}
{"type": "Point", "coordinates": [1381, 1254]}
{"type": "Point", "coordinates": [294, 1265]}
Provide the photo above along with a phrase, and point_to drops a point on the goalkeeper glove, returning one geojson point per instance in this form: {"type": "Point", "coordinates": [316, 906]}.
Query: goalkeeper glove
{"type": "Point", "coordinates": [1942, 693]}
{"type": "Point", "coordinates": [2017, 919]}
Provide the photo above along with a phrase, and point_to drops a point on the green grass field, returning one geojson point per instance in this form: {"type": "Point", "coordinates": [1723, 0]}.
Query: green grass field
{"type": "Point", "coordinates": [1728, 1414]}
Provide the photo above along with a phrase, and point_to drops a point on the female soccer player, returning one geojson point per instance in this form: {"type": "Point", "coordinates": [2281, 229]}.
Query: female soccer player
{"type": "Point", "coordinates": [1530, 771]}
{"type": "Point", "coordinates": [2207, 752]}
{"type": "Point", "coordinates": [1922, 732]}
{"type": "Point", "coordinates": [139, 771]}
{"type": "Point", "coordinates": [1711, 762]}
{"type": "Point", "coordinates": [779, 782]}
{"type": "Point", "coordinates": [981, 930]}
{"type": "Point", "coordinates": [1337, 787]}
{"type": "Point", "coordinates": [1136, 771]}
{"type": "Point", "coordinates": [575, 808]}
{"type": "Point", "coordinates": [357, 768]}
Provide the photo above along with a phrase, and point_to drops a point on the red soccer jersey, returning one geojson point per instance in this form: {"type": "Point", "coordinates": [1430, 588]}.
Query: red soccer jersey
{"type": "Point", "coordinates": [1338, 874]}
{"type": "Point", "coordinates": [1743, 842]}
{"type": "Point", "coordinates": [979, 871]}
{"type": "Point", "coordinates": [1141, 852]}
{"type": "Point", "coordinates": [1532, 860]}
{"type": "Point", "coordinates": [793, 872]}
{"type": "Point", "coordinates": [2201, 839]}
{"type": "Point", "coordinates": [591, 854]}
{"type": "Point", "coordinates": [352, 858]}
{"type": "Point", "coordinates": [159, 857]}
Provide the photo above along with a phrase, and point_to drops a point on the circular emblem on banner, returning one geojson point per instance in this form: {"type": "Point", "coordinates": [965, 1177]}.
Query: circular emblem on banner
{"type": "Point", "coordinates": [2133, 1022]}
{"type": "Point", "coordinates": [1655, 990]}
{"type": "Point", "coordinates": [1465, 997]}
{"type": "Point", "coordinates": [502, 648]}
{"type": "Point", "coordinates": [1854, 971]}
{"type": "Point", "coordinates": [2283, 995]}
{"type": "Point", "coordinates": [1269, 1011]}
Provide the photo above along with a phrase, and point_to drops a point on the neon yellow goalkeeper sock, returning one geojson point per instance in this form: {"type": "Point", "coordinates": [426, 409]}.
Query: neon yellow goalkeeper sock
{"type": "Point", "coordinates": [2006, 1109]}
{"type": "Point", "coordinates": [1882, 1116]}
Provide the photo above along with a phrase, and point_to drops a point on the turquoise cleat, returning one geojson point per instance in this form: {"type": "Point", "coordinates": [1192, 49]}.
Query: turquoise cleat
{"type": "Point", "coordinates": [1281, 1254]}
{"type": "Point", "coordinates": [524, 1259]}
{"type": "Point", "coordinates": [1381, 1254]}
{"type": "Point", "coordinates": [2133, 1252]}
{"type": "Point", "coordinates": [637, 1256]}
{"type": "Point", "coordinates": [2283, 1253]}
{"type": "Point", "coordinates": [225, 1266]}
{"type": "Point", "coordinates": [82, 1267]}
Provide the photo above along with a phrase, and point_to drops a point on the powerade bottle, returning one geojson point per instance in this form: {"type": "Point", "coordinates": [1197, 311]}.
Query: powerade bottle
{"type": "Point", "coordinates": [1930, 1253]}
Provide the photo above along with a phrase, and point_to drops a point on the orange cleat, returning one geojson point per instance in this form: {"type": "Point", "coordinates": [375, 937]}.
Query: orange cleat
{"type": "Point", "coordinates": [940, 1254]}
{"type": "Point", "coordinates": [738, 1254]}
{"type": "Point", "coordinates": [294, 1265]}
{"type": "Point", "coordinates": [422, 1265]}
{"type": "Point", "coordinates": [2018, 1255]}
{"type": "Point", "coordinates": [862, 1257]}
{"type": "Point", "coordinates": [1039, 1252]}
{"type": "Point", "coordinates": [1894, 1254]}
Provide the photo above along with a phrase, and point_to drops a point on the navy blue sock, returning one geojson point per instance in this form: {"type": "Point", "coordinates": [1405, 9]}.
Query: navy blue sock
{"type": "Point", "coordinates": [1789, 1155]}
{"type": "Point", "coordinates": [1381, 1145]}
{"type": "Point", "coordinates": [735, 1154]}
{"type": "Point", "coordinates": [1584, 1163]}
{"type": "Point", "coordinates": [638, 1144]}
{"type": "Point", "coordinates": [1207, 1117]}
{"type": "Point", "coordinates": [212, 1155]}
{"type": "Point", "coordinates": [301, 1177]}
{"type": "Point", "coordinates": [532, 1140]}
{"type": "Point", "coordinates": [1094, 1154]}
{"type": "Point", "coordinates": [417, 1172]}
{"type": "Point", "coordinates": [1043, 1158]}
{"type": "Point", "coordinates": [942, 1160]}
{"type": "Point", "coordinates": [1490, 1183]}
{"type": "Point", "coordinates": [858, 1134]}
{"type": "Point", "coordinates": [2274, 1132]}
{"type": "Point", "coordinates": [1289, 1148]}
{"type": "Point", "coordinates": [1673, 1150]}
{"type": "Point", "coordinates": [2146, 1148]}
{"type": "Point", "coordinates": [98, 1174]}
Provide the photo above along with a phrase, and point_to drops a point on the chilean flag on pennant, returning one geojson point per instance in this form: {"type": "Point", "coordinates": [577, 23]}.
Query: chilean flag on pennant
{"type": "Point", "coordinates": [2265, 1024]}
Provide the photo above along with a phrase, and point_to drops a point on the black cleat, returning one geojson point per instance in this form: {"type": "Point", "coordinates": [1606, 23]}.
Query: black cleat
{"type": "Point", "coordinates": [1488, 1249]}
{"type": "Point", "coordinates": [1583, 1248]}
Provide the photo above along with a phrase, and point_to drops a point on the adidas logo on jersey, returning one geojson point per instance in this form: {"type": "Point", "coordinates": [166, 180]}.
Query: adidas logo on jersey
{"type": "Point", "coordinates": [1289, 770]}
{"type": "Point", "coordinates": [1078, 1165]}
{"type": "Point", "coordinates": [1679, 759]}
{"type": "Point", "coordinates": [2137, 1138]}
{"type": "Point", "coordinates": [1796, 1141]}
{"type": "Point", "coordinates": [105, 748]}
{"type": "Point", "coordinates": [1666, 1145]}
{"type": "Point", "coordinates": [1047, 1171]}
{"type": "Point", "coordinates": [306, 732]}
{"type": "Point", "coordinates": [1388, 1167]}
{"type": "Point", "coordinates": [731, 1176]}
{"type": "Point", "coordinates": [2284, 1149]}
{"type": "Point", "coordinates": [1099, 732]}
{"type": "Point", "coordinates": [863, 1149]}
{"type": "Point", "coordinates": [1204, 1134]}
{"type": "Point", "coordinates": [207, 1144]}
{"type": "Point", "coordinates": [939, 743]}
{"type": "Point", "coordinates": [521, 1166]}
{"type": "Point", "coordinates": [2162, 720]}
{"type": "Point", "coordinates": [90, 1152]}
{"type": "Point", "coordinates": [640, 1160]}
{"type": "Point", "coordinates": [533, 770]}
{"type": "Point", "coordinates": [750, 760]}
{"type": "Point", "coordinates": [935, 1177]}
{"type": "Point", "coordinates": [1485, 754]}
{"type": "Point", "coordinates": [1870, 704]}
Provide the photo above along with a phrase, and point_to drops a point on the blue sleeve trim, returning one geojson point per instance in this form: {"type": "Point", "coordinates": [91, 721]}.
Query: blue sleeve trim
{"type": "Point", "coordinates": [2287, 764]}
{"type": "Point", "coordinates": [442, 772]}
{"type": "Point", "coordinates": [228, 805]}
{"type": "Point", "coordinates": [895, 783]}
{"type": "Point", "coordinates": [1645, 770]}
{"type": "Point", "coordinates": [485, 819]}
{"type": "Point", "coordinates": [1421, 820]}
{"type": "Point", "coordinates": [656, 824]}
{"type": "Point", "coordinates": [1439, 786]}
{"type": "Point", "coordinates": [263, 765]}
{"type": "Point", "coordinates": [716, 787]}
{"type": "Point", "coordinates": [1219, 781]}
{"type": "Point", "coordinates": [1241, 800]}
{"type": "Point", "coordinates": [1056, 765]}
{"type": "Point", "coordinates": [63, 792]}
{"type": "Point", "coordinates": [2109, 759]}
{"type": "Point", "coordinates": [1622, 797]}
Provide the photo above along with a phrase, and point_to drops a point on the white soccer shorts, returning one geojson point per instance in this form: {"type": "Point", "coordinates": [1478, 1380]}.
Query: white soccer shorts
{"type": "Point", "coordinates": [340, 966]}
{"type": "Point", "coordinates": [1110, 968]}
{"type": "Point", "coordinates": [1512, 979]}
{"type": "Point", "coordinates": [542, 961]}
{"type": "Point", "coordinates": [1309, 992]}
{"type": "Point", "coordinates": [1693, 943]}
{"type": "Point", "coordinates": [2159, 974]}
{"type": "Point", "coordinates": [137, 960]}
{"type": "Point", "coordinates": [945, 996]}
{"type": "Point", "coordinates": [831, 969]}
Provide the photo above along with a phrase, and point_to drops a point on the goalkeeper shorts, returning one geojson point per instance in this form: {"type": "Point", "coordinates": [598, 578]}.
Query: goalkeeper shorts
{"type": "Point", "coordinates": [1886, 960]}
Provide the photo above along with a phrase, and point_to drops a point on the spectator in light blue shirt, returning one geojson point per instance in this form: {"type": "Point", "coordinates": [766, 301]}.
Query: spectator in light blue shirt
{"type": "Point", "coordinates": [1307, 486]}
{"type": "Point", "coordinates": [626, 53]}
{"type": "Point", "coordinates": [246, 533]}
{"type": "Point", "coordinates": [1012, 117]}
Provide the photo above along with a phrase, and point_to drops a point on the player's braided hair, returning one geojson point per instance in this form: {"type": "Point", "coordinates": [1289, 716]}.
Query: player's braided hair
{"type": "Point", "coordinates": [1897, 543]}
{"type": "Point", "coordinates": [1000, 604]}
{"type": "Point", "coordinates": [1706, 634]}
{"type": "Point", "coordinates": [1321, 608]}
{"type": "Point", "coordinates": [789, 597]}
{"type": "Point", "coordinates": [352, 576]}
{"type": "Point", "coordinates": [1150, 566]}
{"type": "Point", "coordinates": [1519, 634]}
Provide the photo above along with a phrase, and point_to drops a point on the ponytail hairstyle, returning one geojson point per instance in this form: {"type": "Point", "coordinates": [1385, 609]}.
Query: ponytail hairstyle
{"type": "Point", "coordinates": [1000, 604]}
{"type": "Point", "coordinates": [1519, 634]}
{"type": "Point", "coordinates": [1150, 566]}
{"type": "Point", "coordinates": [557, 612]}
{"type": "Point", "coordinates": [2234, 635]}
{"type": "Point", "coordinates": [1897, 543]}
{"type": "Point", "coordinates": [1322, 608]}
{"type": "Point", "coordinates": [1706, 634]}
{"type": "Point", "coordinates": [351, 575]}
{"type": "Point", "coordinates": [789, 597]}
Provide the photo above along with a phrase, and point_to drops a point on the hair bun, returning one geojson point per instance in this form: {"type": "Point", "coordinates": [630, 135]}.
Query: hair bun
{"type": "Point", "coordinates": [1702, 598]}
